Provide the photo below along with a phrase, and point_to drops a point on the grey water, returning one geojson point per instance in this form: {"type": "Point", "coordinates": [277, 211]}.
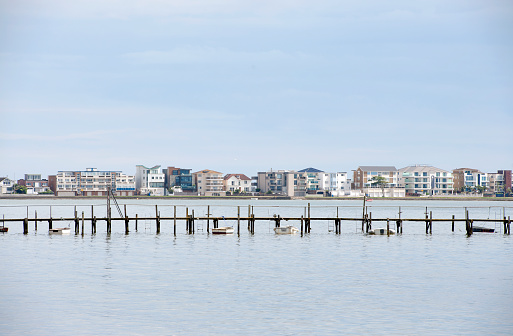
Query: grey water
{"type": "Point", "coordinates": [320, 283]}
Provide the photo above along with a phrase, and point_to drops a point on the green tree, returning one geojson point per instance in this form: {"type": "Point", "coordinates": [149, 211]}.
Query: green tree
{"type": "Point", "coordinates": [381, 182]}
{"type": "Point", "coordinates": [20, 189]}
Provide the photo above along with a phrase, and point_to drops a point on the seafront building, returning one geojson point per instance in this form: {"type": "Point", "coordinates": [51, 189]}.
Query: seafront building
{"type": "Point", "coordinates": [179, 179]}
{"type": "Point", "coordinates": [466, 179]}
{"type": "Point", "coordinates": [283, 182]}
{"type": "Point", "coordinates": [324, 183]}
{"type": "Point", "coordinates": [150, 181]}
{"type": "Point", "coordinates": [362, 176]}
{"type": "Point", "coordinates": [237, 183]}
{"type": "Point", "coordinates": [34, 183]}
{"type": "Point", "coordinates": [92, 182]}
{"type": "Point", "coordinates": [500, 182]}
{"type": "Point", "coordinates": [6, 185]}
{"type": "Point", "coordinates": [209, 183]}
{"type": "Point", "coordinates": [425, 180]}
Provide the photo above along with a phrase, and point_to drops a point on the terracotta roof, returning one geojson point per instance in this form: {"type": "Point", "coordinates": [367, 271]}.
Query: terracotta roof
{"type": "Point", "coordinates": [239, 176]}
{"type": "Point", "coordinates": [207, 171]}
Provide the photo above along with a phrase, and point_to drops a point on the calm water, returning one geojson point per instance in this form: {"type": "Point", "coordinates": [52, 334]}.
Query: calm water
{"type": "Point", "coordinates": [322, 283]}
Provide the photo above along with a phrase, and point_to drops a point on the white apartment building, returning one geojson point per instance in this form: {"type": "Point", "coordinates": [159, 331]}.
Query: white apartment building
{"type": "Point", "coordinates": [238, 183]}
{"type": "Point", "coordinates": [150, 181]}
{"type": "Point", "coordinates": [426, 180]}
{"type": "Point", "coordinates": [468, 179]}
{"type": "Point", "coordinates": [6, 185]}
{"type": "Point", "coordinates": [337, 184]}
{"type": "Point", "coordinates": [93, 182]}
{"type": "Point", "coordinates": [209, 183]}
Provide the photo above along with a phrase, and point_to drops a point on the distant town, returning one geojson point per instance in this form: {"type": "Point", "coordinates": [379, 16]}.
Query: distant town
{"type": "Point", "coordinates": [371, 181]}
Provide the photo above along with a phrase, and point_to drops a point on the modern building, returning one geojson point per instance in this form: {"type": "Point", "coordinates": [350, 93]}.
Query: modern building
{"type": "Point", "coordinates": [150, 181]}
{"type": "Point", "coordinates": [469, 179]}
{"type": "Point", "coordinates": [209, 183]}
{"type": "Point", "coordinates": [425, 180]}
{"type": "Point", "coordinates": [34, 183]}
{"type": "Point", "coordinates": [321, 182]}
{"type": "Point", "coordinates": [6, 185]}
{"type": "Point", "coordinates": [283, 182]}
{"type": "Point", "coordinates": [179, 179]}
{"type": "Point", "coordinates": [362, 177]}
{"type": "Point", "coordinates": [500, 182]}
{"type": "Point", "coordinates": [93, 182]}
{"type": "Point", "coordinates": [237, 183]}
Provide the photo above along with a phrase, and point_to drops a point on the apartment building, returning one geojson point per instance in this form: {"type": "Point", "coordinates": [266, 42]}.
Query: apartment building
{"type": "Point", "coordinates": [426, 180]}
{"type": "Point", "coordinates": [34, 183]}
{"type": "Point", "coordinates": [93, 182]}
{"type": "Point", "coordinates": [150, 181]}
{"type": "Point", "coordinates": [209, 183]}
{"type": "Point", "coordinates": [321, 182]}
{"type": "Point", "coordinates": [362, 177]}
{"type": "Point", "coordinates": [500, 182]}
{"type": "Point", "coordinates": [237, 183]}
{"type": "Point", "coordinates": [466, 179]}
{"type": "Point", "coordinates": [283, 182]}
{"type": "Point", "coordinates": [179, 179]}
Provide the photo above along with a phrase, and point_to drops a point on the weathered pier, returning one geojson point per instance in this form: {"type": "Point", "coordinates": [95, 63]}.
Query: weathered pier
{"type": "Point", "coordinates": [305, 221]}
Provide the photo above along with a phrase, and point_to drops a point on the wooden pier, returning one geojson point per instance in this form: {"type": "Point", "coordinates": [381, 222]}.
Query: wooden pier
{"type": "Point", "coordinates": [190, 220]}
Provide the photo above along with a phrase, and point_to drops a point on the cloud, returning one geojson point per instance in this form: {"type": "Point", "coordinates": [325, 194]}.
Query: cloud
{"type": "Point", "coordinates": [196, 54]}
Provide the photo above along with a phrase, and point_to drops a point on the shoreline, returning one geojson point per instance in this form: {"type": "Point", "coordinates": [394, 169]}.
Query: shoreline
{"type": "Point", "coordinates": [279, 198]}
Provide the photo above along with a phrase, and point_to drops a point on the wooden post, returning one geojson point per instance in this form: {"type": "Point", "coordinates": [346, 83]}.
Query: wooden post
{"type": "Point", "coordinates": [467, 224]}
{"type": "Point", "coordinates": [388, 227]}
{"type": "Point", "coordinates": [208, 219]}
{"type": "Point", "coordinates": [249, 215]}
{"type": "Point", "coordinates": [252, 223]}
{"type": "Point", "coordinates": [77, 222]}
{"type": "Point", "coordinates": [157, 218]}
{"type": "Point", "coordinates": [427, 223]}
{"type": "Point", "coordinates": [369, 227]}
{"type": "Point", "coordinates": [136, 221]}
{"type": "Point", "coordinates": [452, 223]}
{"type": "Point", "coordinates": [174, 221]}
{"type": "Point", "coordinates": [35, 220]}
{"type": "Point", "coordinates": [25, 226]}
{"type": "Point", "coordinates": [430, 222]}
{"type": "Point", "coordinates": [192, 222]}
{"type": "Point", "coordinates": [109, 225]}
{"type": "Point", "coordinates": [83, 219]}
{"type": "Point", "coordinates": [127, 226]}
{"type": "Point", "coordinates": [363, 214]}
{"type": "Point", "coordinates": [187, 224]}
{"type": "Point", "coordinates": [50, 223]}
{"type": "Point", "coordinates": [302, 220]}
{"type": "Point", "coordinates": [238, 220]}
{"type": "Point", "coordinates": [93, 225]}
{"type": "Point", "coordinates": [509, 225]}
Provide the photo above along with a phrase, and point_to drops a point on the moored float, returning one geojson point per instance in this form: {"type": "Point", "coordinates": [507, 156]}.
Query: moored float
{"type": "Point", "coordinates": [381, 232]}
{"type": "Point", "coordinates": [223, 230]}
{"type": "Point", "coordinates": [286, 230]}
{"type": "Point", "coordinates": [60, 231]}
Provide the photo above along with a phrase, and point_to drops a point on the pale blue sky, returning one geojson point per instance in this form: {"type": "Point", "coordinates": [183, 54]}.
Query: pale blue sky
{"type": "Point", "coordinates": [246, 86]}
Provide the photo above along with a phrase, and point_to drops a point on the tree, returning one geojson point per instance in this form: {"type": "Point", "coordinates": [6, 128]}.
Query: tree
{"type": "Point", "coordinates": [381, 182]}
{"type": "Point", "coordinates": [20, 189]}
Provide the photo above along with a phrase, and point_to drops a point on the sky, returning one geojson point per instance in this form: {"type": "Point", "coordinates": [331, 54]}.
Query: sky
{"type": "Point", "coordinates": [242, 86]}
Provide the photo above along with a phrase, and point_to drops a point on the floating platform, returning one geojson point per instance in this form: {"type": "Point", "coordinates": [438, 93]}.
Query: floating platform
{"type": "Point", "coordinates": [60, 231]}
{"type": "Point", "coordinates": [223, 230]}
{"type": "Point", "coordinates": [379, 232]}
{"type": "Point", "coordinates": [482, 229]}
{"type": "Point", "coordinates": [286, 230]}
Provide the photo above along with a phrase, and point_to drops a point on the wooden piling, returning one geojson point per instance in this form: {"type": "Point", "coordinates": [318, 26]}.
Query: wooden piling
{"type": "Point", "coordinates": [452, 223]}
{"type": "Point", "coordinates": [174, 221]}
{"type": "Point", "coordinates": [509, 225]}
{"type": "Point", "coordinates": [93, 225]}
{"type": "Point", "coordinates": [77, 222]}
{"type": "Point", "coordinates": [249, 215]}
{"type": "Point", "coordinates": [35, 220]}
{"type": "Point", "coordinates": [388, 227]}
{"type": "Point", "coordinates": [25, 226]}
{"type": "Point", "coordinates": [83, 219]}
{"type": "Point", "coordinates": [136, 221]}
{"type": "Point", "coordinates": [127, 225]}
{"type": "Point", "coordinates": [109, 225]}
{"type": "Point", "coordinates": [157, 218]}
{"type": "Point", "coordinates": [302, 220]}
{"type": "Point", "coordinates": [364, 221]}
{"type": "Point", "coordinates": [50, 224]}
{"type": "Point", "coordinates": [238, 220]}
{"type": "Point", "coordinates": [431, 222]}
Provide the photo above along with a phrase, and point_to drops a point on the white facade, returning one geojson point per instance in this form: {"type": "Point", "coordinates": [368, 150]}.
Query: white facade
{"type": "Point", "coordinates": [237, 183]}
{"type": "Point", "coordinates": [150, 181]}
{"type": "Point", "coordinates": [6, 185]}
{"type": "Point", "coordinates": [209, 183]}
{"type": "Point", "coordinates": [337, 184]}
{"type": "Point", "coordinates": [426, 180]}
{"type": "Point", "coordinates": [385, 192]}
{"type": "Point", "coordinates": [93, 182]}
